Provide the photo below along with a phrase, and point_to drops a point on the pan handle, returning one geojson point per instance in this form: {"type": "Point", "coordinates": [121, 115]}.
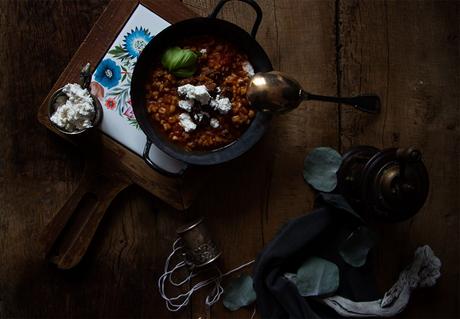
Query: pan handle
{"type": "Point", "coordinates": [150, 163]}
{"type": "Point", "coordinates": [252, 3]}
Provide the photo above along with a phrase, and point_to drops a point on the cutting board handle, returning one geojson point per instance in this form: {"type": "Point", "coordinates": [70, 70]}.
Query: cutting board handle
{"type": "Point", "coordinates": [67, 237]}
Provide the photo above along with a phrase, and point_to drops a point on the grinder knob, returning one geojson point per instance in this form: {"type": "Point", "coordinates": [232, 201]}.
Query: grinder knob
{"type": "Point", "coordinates": [395, 184]}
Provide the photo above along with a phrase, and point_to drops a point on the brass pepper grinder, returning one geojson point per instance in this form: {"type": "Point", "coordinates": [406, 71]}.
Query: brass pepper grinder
{"type": "Point", "coordinates": [389, 185]}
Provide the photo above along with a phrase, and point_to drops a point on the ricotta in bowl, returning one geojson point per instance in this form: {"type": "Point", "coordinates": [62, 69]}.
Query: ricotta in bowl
{"type": "Point", "coordinates": [74, 109]}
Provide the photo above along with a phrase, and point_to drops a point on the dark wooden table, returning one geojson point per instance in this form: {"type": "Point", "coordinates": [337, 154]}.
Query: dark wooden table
{"type": "Point", "coordinates": [406, 51]}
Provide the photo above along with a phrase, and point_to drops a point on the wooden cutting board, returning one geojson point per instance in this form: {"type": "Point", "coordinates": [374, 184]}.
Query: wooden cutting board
{"type": "Point", "coordinates": [111, 167]}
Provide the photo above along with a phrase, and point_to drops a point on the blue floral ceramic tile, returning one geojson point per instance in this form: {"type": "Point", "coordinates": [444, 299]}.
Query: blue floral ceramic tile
{"type": "Point", "coordinates": [112, 79]}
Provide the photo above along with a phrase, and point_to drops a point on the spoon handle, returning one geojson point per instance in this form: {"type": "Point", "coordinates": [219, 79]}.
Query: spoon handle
{"type": "Point", "coordinates": [85, 76]}
{"type": "Point", "coordinates": [365, 103]}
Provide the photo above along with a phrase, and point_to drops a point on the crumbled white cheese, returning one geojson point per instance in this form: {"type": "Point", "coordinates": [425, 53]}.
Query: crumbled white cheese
{"type": "Point", "coordinates": [218, 89]}
{"type": "Point", "coordinates": [198, 93]}
{"type": "Point", "coordinates": [203, 51]}
{"type": "Point", "coordinates": [221, 104]}
{"type": "Point", "coordinates": [186, 89]}
{"type": "Point", "coordinates": [248, 68]}
{"type": "Point", "coordinates": [186, 122]}
{"type": "Point", "coordinates": [202, 94]}
{"type": "Point", "coordinates": [76, 112]}
{"type": "Point", "coordinates": [186, 105]}
{"type": "Point", "coordinates": [214, 123]}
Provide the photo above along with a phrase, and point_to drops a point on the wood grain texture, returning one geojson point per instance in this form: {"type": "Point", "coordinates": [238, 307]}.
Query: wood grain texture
{"type": "Point", "coordinates": [406, 51]}
{"type": "Point", "coordinates": [38, 171]}
{"type": "Point", "coordinates": [224, 195]}
{"type": "Point", "coordinates": [68, 235]}
{"type": "Point", "coordinates": [253, 196]}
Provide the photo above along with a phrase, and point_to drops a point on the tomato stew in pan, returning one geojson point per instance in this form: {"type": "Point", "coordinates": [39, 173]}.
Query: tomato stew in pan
{"type": "Point", "coordinates": [216, 118]}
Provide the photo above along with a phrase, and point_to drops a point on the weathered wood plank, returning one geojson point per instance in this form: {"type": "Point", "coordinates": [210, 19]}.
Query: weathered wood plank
{"type": "Point", "coordinates": [408, 53]}
{"type": "Point", "coordinates": [304, 39]}
{"type": "Point", "coordinates": [38, 171]}
{"type": "Point", "coordinates": [256, 194]}
{"type": "Point", "coordinates": [231, 201]}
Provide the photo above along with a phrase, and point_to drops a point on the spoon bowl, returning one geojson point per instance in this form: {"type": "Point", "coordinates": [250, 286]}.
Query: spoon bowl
{"type": "Point", "coordinates": [278, 92]}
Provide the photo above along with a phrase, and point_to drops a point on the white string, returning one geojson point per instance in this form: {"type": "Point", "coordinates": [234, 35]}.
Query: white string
{"type": "Point", "coordinates": [178, 302]}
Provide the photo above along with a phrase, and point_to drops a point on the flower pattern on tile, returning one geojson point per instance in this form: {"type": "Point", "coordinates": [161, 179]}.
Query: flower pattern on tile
{"type": "Point", "coordinates": [136, 40]}
{"type": "Point", "coordinates": [97, 90]}
{"type": "Point", "coordinates": [110, 103]}
{"type": "Point", "coordinates": [119, 62]}
{"type": "Point", "coordinates": [108, 73]}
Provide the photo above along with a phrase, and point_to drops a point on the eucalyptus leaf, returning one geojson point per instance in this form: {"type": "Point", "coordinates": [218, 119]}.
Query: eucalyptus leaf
{"type": "Point", "coordinates": [239, 293]}
{"type": "Point", "coordinates": [181, 62]}
{"type": "Point", "coordinates": [356, 247]}
{"type": "Point", "coordinates": [317, 277]}
{"type": "Point", "coordinates": [320, 168]}
{"type": "Point", "coordinates": [338, 201]}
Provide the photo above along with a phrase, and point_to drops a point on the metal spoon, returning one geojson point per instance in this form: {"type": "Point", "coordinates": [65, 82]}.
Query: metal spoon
{"type": "Point", "coordinates": [85, 77]}
{"type": "Point", "coordinates": [279, 93]}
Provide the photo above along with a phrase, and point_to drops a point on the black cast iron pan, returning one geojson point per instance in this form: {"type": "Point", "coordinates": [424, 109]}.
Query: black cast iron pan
{"type": "Point", "coordinates": [170, 37]}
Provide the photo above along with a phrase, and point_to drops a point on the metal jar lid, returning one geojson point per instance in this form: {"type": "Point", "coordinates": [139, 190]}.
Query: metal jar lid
{"type": "Point", "coordinates": [200, 249]}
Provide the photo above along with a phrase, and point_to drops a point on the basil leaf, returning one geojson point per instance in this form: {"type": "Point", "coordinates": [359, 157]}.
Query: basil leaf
{"type": "Point", "coordinates": [180, 62]}
{"type": "Point", "coordinates": [184, 73]}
